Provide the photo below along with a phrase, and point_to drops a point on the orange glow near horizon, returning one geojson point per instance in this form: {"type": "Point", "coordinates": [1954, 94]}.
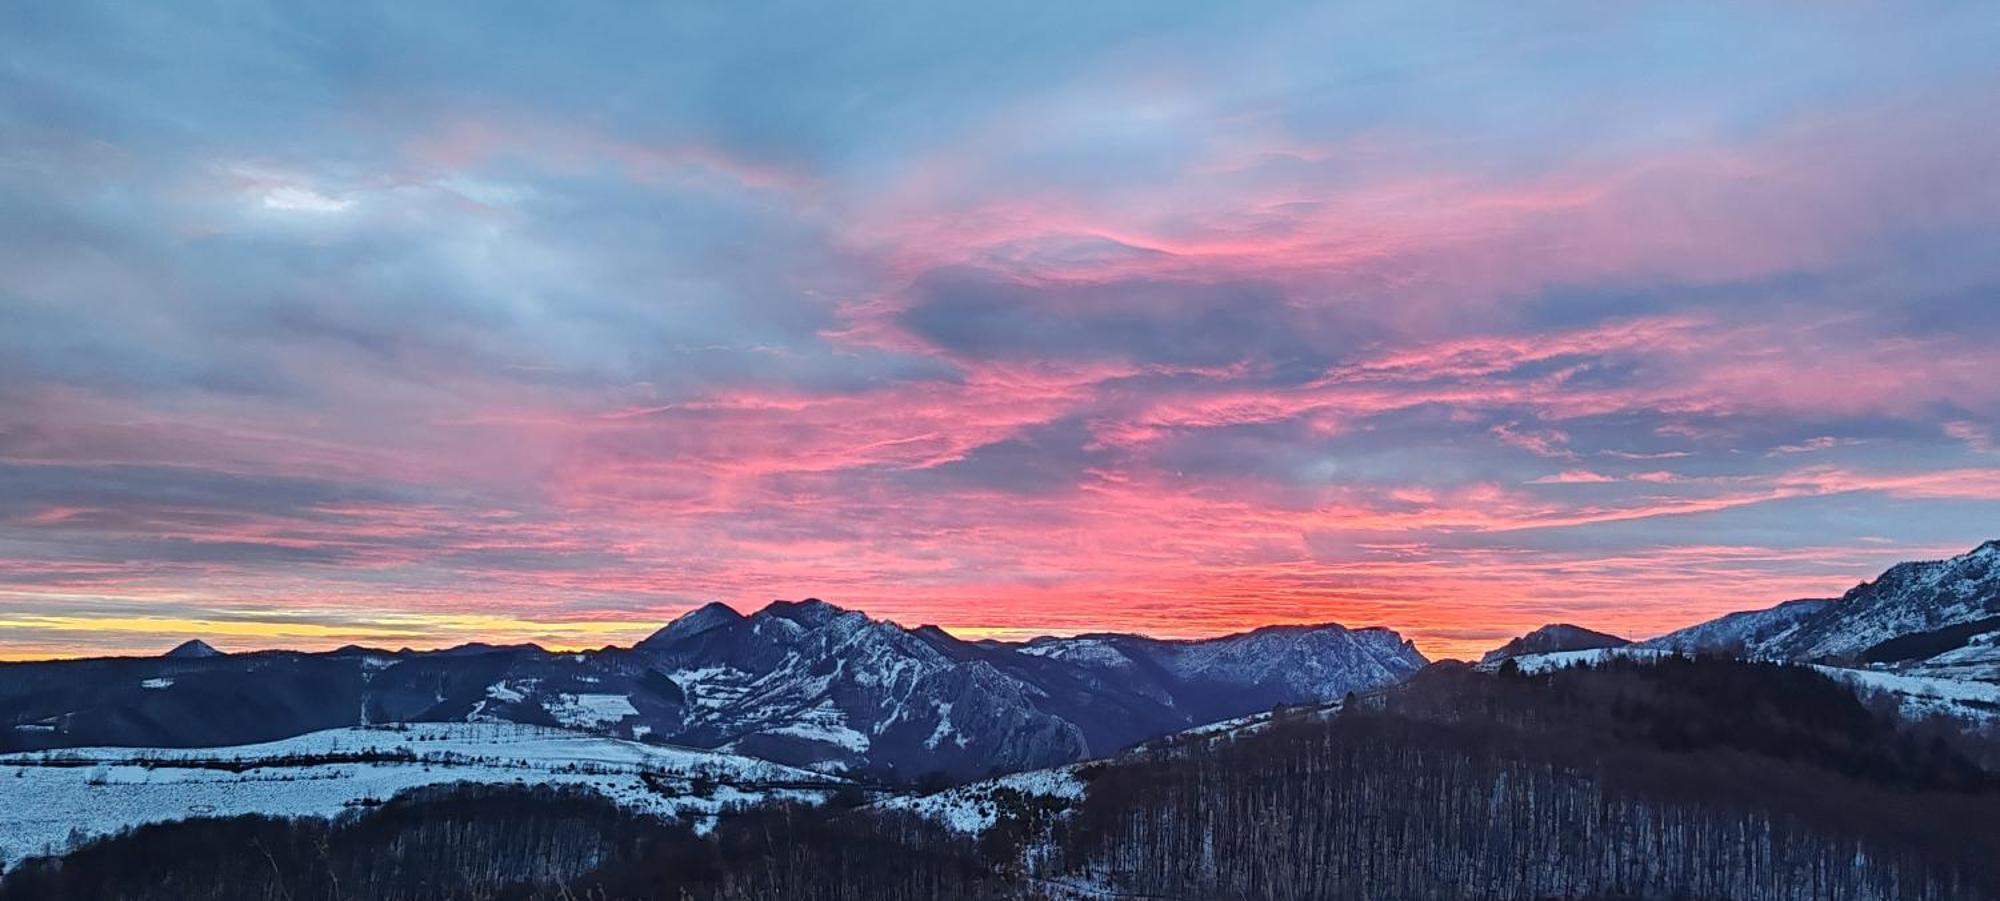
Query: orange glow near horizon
{"type": "Point", "coordinates": [1484, 619]}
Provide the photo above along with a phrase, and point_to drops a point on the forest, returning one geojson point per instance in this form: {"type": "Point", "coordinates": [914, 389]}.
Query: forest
{"type": "Point", "coordinates": [1685, 778]}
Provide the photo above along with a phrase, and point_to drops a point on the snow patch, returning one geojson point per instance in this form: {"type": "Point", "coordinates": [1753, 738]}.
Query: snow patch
{"type": "Point", "coordinates": [590, 710]}
{"type": "Point", "coordinates": [944, 729]}
{"type": "Point", "coordinates": [826, 724]}
{"type": "Point", "coordinates": [976, 806]}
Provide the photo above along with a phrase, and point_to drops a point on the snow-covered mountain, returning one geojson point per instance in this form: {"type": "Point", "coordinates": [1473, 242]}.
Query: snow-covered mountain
{"type": "Point", "coordinates": [804, 683]}
{"type": "Point", "coordinates": [1742, 630]}
{"type": "Point", "coordinates": [811, 683]}
{"type": "Point", "coordinates": [1936, 618]}
{"type": "Point", "coordinates": [1552, 638]}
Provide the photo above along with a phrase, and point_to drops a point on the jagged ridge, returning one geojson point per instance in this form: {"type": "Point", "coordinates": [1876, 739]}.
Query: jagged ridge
{"type": "Point", "coordinates": [805, 683]}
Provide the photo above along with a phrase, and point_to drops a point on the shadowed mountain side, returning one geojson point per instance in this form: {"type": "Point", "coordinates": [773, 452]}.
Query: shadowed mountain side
{"type": "Point", "coordinates": [804, 682]}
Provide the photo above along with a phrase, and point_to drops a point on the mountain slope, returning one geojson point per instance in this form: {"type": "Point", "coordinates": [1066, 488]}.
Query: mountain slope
{"type": "Point", "coordinates": [1924, 616]}
{"type": "Point", "coordinates": [1744, 629]}
{"type": "Point", "coordinates": [804, 683]}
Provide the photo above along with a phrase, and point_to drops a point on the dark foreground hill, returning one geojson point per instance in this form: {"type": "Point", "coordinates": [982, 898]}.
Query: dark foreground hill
{"type": "Point", "coordinates": [1684, 778]}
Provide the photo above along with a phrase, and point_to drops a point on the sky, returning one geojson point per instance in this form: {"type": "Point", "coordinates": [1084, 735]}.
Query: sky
{"type": "Point", "coordinates": [413, 324]}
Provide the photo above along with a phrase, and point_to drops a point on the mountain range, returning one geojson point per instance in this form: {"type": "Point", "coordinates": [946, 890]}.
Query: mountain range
{"type": "Point", "coordinates": [809, 684]}
{"type": "Point", "coordinates": [804, 683]}
{"type": "Point", "coordinates": [1936, 618]}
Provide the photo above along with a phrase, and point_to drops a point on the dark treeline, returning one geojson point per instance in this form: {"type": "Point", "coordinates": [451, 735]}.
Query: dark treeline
{"type": "Point", "coordinates": [77, 760]}
{"type": "Point", "coordinates": [515, 842]}
{"type": "Point", "coordinates": [440, 842]}
{"type": "Point", "coordinates": [1690, 778]}
{"type": "Point", "coordinates": [1920, 645]}
{"type": "Point", "coordinates": [1685, 779]}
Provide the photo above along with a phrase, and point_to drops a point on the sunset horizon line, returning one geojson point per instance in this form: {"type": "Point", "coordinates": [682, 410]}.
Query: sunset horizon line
{"type": "Point", "coordinates": [635, 628]}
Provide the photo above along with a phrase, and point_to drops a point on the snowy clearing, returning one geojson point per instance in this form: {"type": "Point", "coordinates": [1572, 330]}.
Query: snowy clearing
{"type": "Point", "coordinates": [590, 711]}
{"type": "Point", "coordinates": [1923, 696]}
{"type": "Point", "coordinates": [44, 795]}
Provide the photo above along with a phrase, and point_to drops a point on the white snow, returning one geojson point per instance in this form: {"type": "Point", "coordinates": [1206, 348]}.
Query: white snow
{"type": "Point", "coordinates": [1923, 696]}
{"type": "Point", "coordinates": [106, 789]}
{"type": "Point", "coordinates": [944, 728]}
{"type": "Point", "coordinates": [1542, 663]}
{"type": "Point", "coordinates": [590, 710]}
{"type": "Point", "coordinates": [1082, 651]}
{"type": "Point", "coordinates": [974, 807]}
{"type": "Point", "coordinates": [1230, 728]}
{"type": "Point", "coordinates": [712, 687]}
{"type": "Point", "coordinates": [823, 723]}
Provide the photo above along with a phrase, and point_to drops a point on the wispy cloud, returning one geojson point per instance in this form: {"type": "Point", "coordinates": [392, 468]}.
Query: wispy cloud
{"type": "Point", "coordinates": [1024, 319]}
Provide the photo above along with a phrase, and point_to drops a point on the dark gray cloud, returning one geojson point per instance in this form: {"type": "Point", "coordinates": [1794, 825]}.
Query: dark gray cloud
{"type": "Point", "coordinates": [1183, 323]}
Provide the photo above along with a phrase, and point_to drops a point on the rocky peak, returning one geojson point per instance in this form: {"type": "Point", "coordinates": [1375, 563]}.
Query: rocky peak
{"type": "Point", "coordinates": [811, 612]}
{"type": "Point", "coordinates": [708, 616]}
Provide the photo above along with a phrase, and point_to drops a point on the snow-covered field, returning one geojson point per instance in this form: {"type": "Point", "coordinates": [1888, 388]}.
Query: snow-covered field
{"type": "Point", "coordinates": [104, 790]}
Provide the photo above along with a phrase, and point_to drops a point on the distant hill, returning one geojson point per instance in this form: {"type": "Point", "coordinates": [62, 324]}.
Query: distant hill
{"type": "Point", "coordinates": [1552, 638]}
{"type": "Point", "coordinates": [193, 648]}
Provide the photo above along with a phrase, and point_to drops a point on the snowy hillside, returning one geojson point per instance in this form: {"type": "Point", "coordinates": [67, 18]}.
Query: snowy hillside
{"type": "Point", "coordinates": [804, 683]}
{"type": "Point", "coordinates": [44, 795]}
{"type": "Point", "coordinates": [1926, 608]}
{"type": "Point", "coordinates": [1748, 630]}
{"type": "Point", "coordinates": [1925, 696]}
